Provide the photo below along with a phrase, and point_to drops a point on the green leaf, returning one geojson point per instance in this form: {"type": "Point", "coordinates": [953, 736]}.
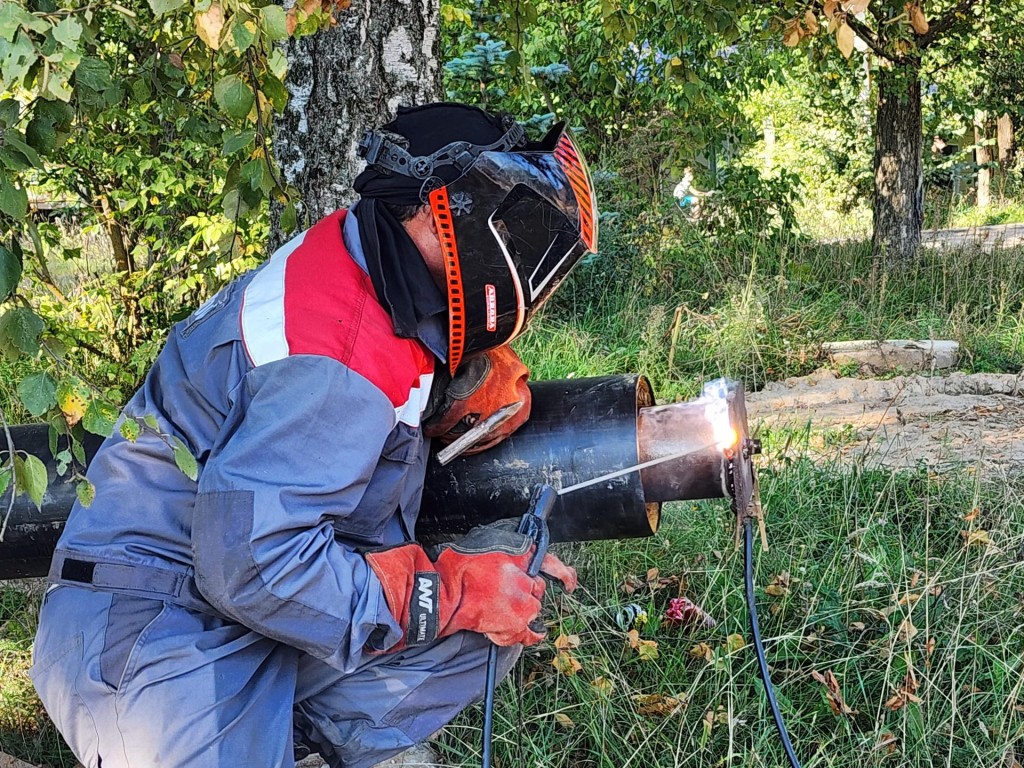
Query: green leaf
{"type": "Point", "coordinates": [151, 422]}
{"type": "Point", "coordinates": [275, 22]}
{"type": "Point", "coordinates": [21, 327]}
{"type": "Point", "coordinates": [278, 64]}
{"type": "Point", "coordinates": [243, 33]}
{"type": "Point", "coordinates": [78, 451]}
{"type": "Point", "coordinates": [85, 491]}
{"type": "Point", "coordinates": [68, 31]}
{"type": "Point", "coordinates": [93, 73]}
{"type": "Point", "coordinates": [289, 217]}
{"type": "Point", "coordinates": [14, 139]}
{"type": "Point", "coordinates": [130, 429]}
{"type": "Point", "coordinates": [13, 200]}
{"type": "Point", "coordinates": [13, 15]}
{"type": "Point", "coordinates": [234, 96]}
{"type": "Point", "coordinates": [18, 59]}
{"type": "Point", "coordinates": [234, 205]}
{"type": "Point", "coordinates": [100, 418]}
{"type": "Point", "coordinates": [236, 140]}
{"type": "Point", "coordinates": [9, 111]}
{"type": "Point", "coordinates": [5, 480]}
{"type": "Point", "coordinates": [30, 478]}
{"type": "Point", "coordinates": [184, 459]}
{"type": "Point", "coordinates": [162, 7]}
{"type": "Point", "coordinates": [275, 91]}
{"type": "Point", "coordinates": [10, 272]}
{"type": "Point", "coordinates": [38, 393]}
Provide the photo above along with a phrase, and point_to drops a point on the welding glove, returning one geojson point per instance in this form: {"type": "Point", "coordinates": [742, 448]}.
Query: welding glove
{"type": "Point", "coordinates": [481, 386]}
{"type": "Point", "coordinates": [477, 583]}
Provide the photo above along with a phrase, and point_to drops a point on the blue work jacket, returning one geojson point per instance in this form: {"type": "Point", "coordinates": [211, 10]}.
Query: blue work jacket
{"type": "Point", "coordinates": [302, 408]}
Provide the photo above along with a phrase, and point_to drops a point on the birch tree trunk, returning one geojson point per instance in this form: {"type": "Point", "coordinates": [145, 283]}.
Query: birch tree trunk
{"type": "Point", "coordinates": [899, 177]}
{"type": "Point", "coordinates": [343, 81]}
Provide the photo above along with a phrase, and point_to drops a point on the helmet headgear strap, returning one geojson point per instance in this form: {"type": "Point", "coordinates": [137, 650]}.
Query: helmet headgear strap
{"type": "Point", "coordinates": [389, 156]}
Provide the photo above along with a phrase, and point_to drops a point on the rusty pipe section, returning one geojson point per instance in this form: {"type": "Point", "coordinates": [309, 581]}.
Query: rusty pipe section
{"type": "Point", "coordinates": [579, 429]}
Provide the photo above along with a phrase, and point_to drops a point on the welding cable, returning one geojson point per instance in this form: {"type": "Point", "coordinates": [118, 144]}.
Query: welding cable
{"type": "Point", "coordinates": [762, 663]}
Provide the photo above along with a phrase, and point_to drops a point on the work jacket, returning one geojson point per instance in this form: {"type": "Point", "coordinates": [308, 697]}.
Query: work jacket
{"type": "Point", "coordinates": [302, 409]}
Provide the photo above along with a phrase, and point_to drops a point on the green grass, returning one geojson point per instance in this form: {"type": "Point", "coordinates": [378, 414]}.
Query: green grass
{"type": "Point", "coordinates": [25, 730]}
{"type": "Point", "coordinates": [1006, 211]}
{"type": "Point", "coordinates": [866, 551]}
{"type": "Point", "coordinates": [683, 308]}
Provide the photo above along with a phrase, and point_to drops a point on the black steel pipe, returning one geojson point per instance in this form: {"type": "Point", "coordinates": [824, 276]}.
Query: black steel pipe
{"type": "Point", "coordinates": [579, 429]}
{"type": "Point", "coordinates": [31, 535]}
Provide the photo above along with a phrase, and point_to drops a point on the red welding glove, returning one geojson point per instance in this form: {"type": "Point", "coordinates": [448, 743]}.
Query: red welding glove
{"type": "Point", "coordinates": [481, 386]}
{"type": "Point", "coordinates": [478, 583]}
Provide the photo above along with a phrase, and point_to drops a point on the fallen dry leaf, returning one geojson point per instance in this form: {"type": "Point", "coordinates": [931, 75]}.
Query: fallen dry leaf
{"type": "Point", "coordinates": [907, 631]}
{"type": "Point", "coordinates": [734, 642]}
{"type": "Point", "coordinates": [658, 704]}
{"type": "Point", "coordinates": [887, 742]}
{"type": "Point", "coordinates": [567, 642]}
{"type": "Point", "coordinates": [603, 685]}
{"type": "Point", "coordinates": [972, 515]}
{"type": "Point", "coordinates": [857, 626]}
{"type": "Point", "coordinates": [564, 720]}
{"type": "Point", "coordinates": [978, 538]}
{"type": "Point", "coordinates": [647, 650]}
{"type": "Point", "coordinates": [703, 651]}
{"type": "Point", "coordinates": [566, 664]}
{"type": "Point", "coordinates": [832, 692]}
{"type": "Point", "coordinates": [905, 694]}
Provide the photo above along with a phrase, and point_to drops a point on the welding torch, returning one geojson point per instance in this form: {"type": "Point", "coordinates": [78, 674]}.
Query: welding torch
{"type": "Point", "coordinates": [533, 524]}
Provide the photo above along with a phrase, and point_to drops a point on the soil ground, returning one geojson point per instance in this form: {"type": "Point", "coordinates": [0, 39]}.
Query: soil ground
{"type": "Point", "coordinates": [973, 420]}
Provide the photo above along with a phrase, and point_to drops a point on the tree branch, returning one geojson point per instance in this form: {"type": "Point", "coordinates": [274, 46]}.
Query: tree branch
{"type": "Point", "coordinates": [944, 23]}
{"type": "Point", "coordinates": [865, 33]}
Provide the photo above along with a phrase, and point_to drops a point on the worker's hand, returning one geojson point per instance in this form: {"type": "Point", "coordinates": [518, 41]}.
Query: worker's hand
{"type": "Point", "coordinates": [478, 583]}
{"type": "Point", "coordinates": [482, 385]}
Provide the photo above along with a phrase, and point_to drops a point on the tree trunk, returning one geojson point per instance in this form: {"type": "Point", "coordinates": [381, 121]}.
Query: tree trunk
{"type": "Point", "coordinates": [899, 177]}
{"type": "Point", "coordinates": [342, 81]}
{"type": "Point", "coordinates": [1004, 140]}
{"type": "Point", "coordinates": [982, 158]}
{"type": "Point", "coordinates": [1005, 149]}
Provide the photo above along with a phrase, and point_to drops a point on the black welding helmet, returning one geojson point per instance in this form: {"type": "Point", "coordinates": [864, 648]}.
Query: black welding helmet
{"type": "Point", "coordinates": [513, 218]}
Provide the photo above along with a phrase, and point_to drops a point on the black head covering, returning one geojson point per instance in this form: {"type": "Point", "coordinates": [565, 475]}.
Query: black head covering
{"type": "Point", "coordinates": [401, 279]}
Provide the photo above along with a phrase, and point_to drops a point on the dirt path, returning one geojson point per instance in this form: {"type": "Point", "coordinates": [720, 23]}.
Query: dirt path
{"type": "Point", "coordinates": [959, 419]}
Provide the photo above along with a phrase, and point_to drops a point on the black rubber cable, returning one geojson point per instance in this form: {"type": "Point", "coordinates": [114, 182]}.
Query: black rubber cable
{"type": "Point", "coordinates": [755, 628]}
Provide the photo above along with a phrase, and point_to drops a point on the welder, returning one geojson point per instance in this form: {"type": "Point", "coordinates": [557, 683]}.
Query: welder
{"type": "Point", "coordinates": [278, 604]}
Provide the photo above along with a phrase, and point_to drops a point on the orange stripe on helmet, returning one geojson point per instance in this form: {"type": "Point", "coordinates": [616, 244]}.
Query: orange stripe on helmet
{"type": "Point", "coordinates": [453, 276]}
{"type": "Point", "coordinates": [579, 179]}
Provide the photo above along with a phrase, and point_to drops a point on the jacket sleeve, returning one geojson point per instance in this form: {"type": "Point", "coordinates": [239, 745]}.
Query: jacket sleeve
{"type": "Point", "coordinates": [294, 457]}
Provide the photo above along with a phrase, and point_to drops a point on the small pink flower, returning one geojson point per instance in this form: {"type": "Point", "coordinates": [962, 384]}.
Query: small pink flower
{"type": "Point", "coordinates": [683, 612]}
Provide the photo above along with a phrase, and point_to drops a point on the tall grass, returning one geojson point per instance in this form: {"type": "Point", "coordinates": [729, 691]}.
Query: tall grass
{"type": "Point", "coordinates": [684, 308]}
{"type": "Point", "coordinates": [873, 581]}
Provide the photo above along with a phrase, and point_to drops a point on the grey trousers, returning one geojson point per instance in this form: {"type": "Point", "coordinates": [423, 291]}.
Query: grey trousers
{"type": "Point", "coordinates": [137, 683]}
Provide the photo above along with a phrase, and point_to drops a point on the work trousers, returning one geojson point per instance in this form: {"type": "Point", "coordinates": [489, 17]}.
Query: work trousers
{"type": "Point", "coordinates": [137, 683]}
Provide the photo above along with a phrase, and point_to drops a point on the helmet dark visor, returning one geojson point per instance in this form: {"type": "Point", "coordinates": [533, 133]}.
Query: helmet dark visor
{"type": "Point", "coordinates": [512, 227]}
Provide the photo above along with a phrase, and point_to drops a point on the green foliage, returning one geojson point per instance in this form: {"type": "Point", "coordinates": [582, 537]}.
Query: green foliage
{"type": "Point", "coordinates": [132, 125]}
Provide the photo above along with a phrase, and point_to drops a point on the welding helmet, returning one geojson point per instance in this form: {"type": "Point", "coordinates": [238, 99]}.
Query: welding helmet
{"type": "Point", "coordinates": [513, 218]}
